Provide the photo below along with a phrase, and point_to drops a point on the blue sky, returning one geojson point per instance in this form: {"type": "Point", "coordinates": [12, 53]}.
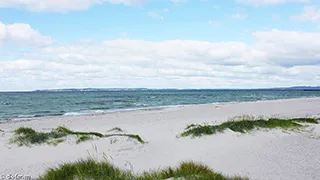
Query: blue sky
{"type": "Point", "coordinates": [35, 34]}
{"type": "Point", "coordinates": [108, 21]}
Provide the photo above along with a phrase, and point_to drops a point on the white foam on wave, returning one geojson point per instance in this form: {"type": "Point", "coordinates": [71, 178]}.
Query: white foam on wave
{"type": "Point", "coordinates": [98, 111]}
{"type": "Point", "coordinates": [26, 116]}
{"type": "Point", "coordinates": [73, 114]}
{"type": "Point", "coordinates": [87, 112]}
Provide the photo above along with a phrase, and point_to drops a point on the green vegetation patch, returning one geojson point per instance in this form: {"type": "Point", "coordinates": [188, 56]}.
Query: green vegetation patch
{"type": "Point", "coordinates": [116, 129]}
{"type": "Point", "coordinates": [133, 136]}
{"type": "Point", "coordinates": [25, 136]}
{"type": "Point", "coordinates": [90, 169]}
{"type": "Point", "coordinates": [55, 142]}
{"type": "Point", "coordinates": [83, 138]}
{"type": "Point", "coordinates": [68, 131]}
{"type": "Point", "coordinates": [86, 169]}
{"type": "Point", "coordinates": [306, 120]}
{"type": "Point", "coordinates": [187, 171]}
{"type": "Point", "coordinates": [246, 124]}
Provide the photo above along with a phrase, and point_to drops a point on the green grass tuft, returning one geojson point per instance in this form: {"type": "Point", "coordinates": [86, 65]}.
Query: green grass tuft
{"type": "Point", "coordinates": [86, 169]}
{"type": "Point", "coordinates": [24, 130]}
{"type": "Point", "coordinates": [55, 142]}
{"type": "Point", "coordinates": [188, 171]}
{"type": "Point", "coordinates": [26, 136]}
{"type": "Point", "coordinates": [246, 124]}
{"type": "Point", "coordinates": [83, 138]}
{"type": "Point", "coordinates": [306, 120]}
{"type": "Point", "coordinates": [68, 131]}
{"type": "Point", "coordinates": [191, 126]}
{"type": "Point", "coordinates": [90, 169]}
{"type": "Point", "coordinates": [116, 129]}
{"type": "Point", "coordinates": [133, 136]}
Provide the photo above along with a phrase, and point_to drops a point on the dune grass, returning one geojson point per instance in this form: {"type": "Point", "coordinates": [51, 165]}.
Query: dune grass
{"type": "Point", "coordinates": [306, 120]}
{"type": "Point", "coordinates": [68, 131]}
{"type": "Point", "coordinates": [187, 171]}
{"type": "Point", "coordinates": [133, 136]}
{"type": "Point", "coordinates": [246, 124]}
{"type": "Point", "coordinates": [116, 129]}
{"type": "Point", "coordinates": [86, 169]}
{"type": "Point", "coordinates": [55, 142]}
{"type": "Point", "coordinates": [91, 169]}
{"type": "Point", "coordinates": [25, 136]}
{"type": "Point", "coordinates": [83, 138]}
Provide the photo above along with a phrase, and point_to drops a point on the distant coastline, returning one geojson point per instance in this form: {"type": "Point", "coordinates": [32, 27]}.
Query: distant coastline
{"type": "Point", "coordinates": [305, 88]}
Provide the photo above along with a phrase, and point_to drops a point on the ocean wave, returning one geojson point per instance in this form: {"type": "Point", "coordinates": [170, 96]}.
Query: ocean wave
{"type": "Point", "coordinates": [26, 116]}
{"type": "Point", "coordinates": [31, 116]}
{"type": "Point", "coordinates": [87, 112]}
{"type": "Point", "coordinates": [140, 104]}
{"type": "Point", "coordinates": [73, 114]}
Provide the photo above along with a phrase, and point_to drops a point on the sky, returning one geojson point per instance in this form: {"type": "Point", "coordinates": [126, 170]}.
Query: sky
{"type": "Point", "coordinates": [52, 44]}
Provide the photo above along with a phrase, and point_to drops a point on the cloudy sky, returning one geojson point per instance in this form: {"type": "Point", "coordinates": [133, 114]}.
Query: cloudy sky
{"type": "Point", "coordinates": [158, 43]}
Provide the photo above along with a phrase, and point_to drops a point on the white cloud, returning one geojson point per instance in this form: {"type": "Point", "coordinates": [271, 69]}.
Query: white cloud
{"type": "Point", "coordinates": [155, 15]}
{"type": "Point", "coordinates": [310, 13]}
{"type": "Point", "coordinates": [271, 2]}
{"type": "Point", "coordinates": [290, 48]}
{"type": "Point", "coordinates": [62, 5]}
{"type": "Point", "coordinates": [22, 33]}
{"type": "Point", "coordinates": [3, 32]}
{"type": "Point", "coordinates": [276, 58]}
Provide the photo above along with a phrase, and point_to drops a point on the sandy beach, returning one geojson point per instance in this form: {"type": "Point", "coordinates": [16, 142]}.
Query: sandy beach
{"type": "Point", "coordinates": [274, 154]}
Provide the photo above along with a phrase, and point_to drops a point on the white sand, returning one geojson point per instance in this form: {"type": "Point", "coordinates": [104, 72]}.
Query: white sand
{"type": "Point", "coordinates": [259, 155]}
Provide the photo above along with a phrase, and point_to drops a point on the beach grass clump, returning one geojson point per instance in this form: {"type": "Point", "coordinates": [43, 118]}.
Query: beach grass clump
{"type": "Point", "coordinates": [246, 124]}
{"type": "Point", "coordinates": [306, 120]}
{"type": "Point", "coordinates": [187, 171]}
{"type": "Point", "coordinates": [91, 169]}
{"type": "Point", "coordinates": [133, 136]}
{"type": "Point", "coordinates": [55, 142]}
{"type": "Point", "coordinates": [83, 138]}
{"type": "Point", "coordinates": [116, 129]}
{"type": "Point", "coordinates": [24, 130]}
{"type": "Point", "coordinates": [87, 169]}
{"type": "Point", "coordinates": [68, 131]}
{"type": "Point", "coordinates": [25, 136]}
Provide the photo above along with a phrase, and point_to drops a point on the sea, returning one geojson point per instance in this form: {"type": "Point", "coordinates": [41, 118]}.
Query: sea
{"type": "Point", "coordinates": [25, 105]}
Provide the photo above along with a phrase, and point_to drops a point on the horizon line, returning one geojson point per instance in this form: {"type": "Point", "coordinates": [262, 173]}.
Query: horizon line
{"type": "Point", "coordinates": [141, 88]}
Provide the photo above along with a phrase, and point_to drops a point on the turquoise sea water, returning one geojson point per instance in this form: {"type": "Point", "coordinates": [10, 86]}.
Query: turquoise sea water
{"type": "Point", "coordinates": [15, 105]}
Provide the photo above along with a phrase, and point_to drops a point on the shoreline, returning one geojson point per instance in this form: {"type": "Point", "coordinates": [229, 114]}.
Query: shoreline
{"type": "Point", "coordinates": [259, 155]}
{"type": "Point", "coordinates": [151, 108]}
